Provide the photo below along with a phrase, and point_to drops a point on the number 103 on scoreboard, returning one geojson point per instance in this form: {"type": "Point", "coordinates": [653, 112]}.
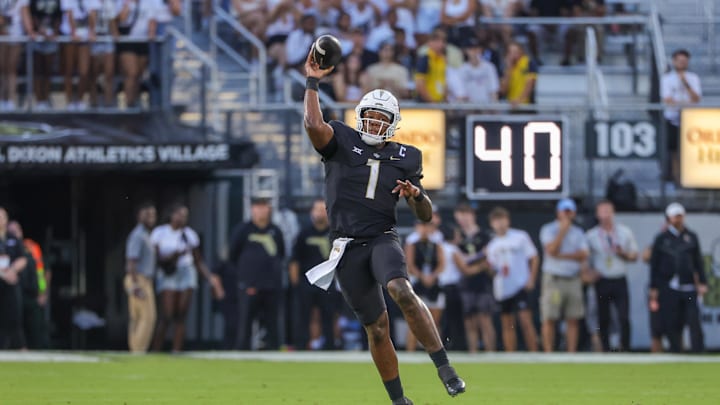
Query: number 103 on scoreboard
{"type": "Point", "coordinates": [515, 157]}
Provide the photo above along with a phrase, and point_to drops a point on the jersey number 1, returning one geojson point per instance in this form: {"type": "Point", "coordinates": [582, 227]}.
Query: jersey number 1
{"type": "Point", "coordinates": [373, 179]}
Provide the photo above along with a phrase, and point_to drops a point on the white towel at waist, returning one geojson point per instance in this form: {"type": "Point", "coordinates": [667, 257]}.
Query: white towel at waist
{"type": "Point", "coordinates": [322, 275]}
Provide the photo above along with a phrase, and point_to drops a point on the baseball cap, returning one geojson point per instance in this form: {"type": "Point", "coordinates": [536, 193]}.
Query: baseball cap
{"type": "Point", "coordinates": [674, 209]}
{"type": "Point", "coordinates": [566, 204]}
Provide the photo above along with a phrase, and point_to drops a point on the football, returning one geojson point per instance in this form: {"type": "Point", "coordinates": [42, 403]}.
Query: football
{"type": "Point", "coordinates": [326, 51]}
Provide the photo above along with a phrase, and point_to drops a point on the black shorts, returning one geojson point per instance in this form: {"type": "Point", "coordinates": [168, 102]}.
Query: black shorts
{"type": "Point", "coordinates": [138, 48]}
{"type": "Point", "coordinates": [475, 302]}
{"type": "Point", "coordinates": [518, 302]}
{"type": "Point", "coordinates": [365, 268]}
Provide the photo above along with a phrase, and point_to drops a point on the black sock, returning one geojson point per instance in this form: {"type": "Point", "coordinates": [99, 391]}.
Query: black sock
{"type": "Point", "coordinates": [394, 388]}
{"type": "Point", "coordinates": [440, 358]}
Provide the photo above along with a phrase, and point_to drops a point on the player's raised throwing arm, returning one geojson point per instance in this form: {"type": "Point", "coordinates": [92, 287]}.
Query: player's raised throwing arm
{"type": "Point", "coordinates": [319, 131]}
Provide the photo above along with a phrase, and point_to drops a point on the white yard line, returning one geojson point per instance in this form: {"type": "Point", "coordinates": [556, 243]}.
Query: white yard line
{"type": "Point", "coordinates": [48, 357]}
{"type": "Point", "coordinates": [522, 358]}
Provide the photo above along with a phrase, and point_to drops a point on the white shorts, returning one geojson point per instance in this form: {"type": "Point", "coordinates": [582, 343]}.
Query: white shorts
{"type": "Point", "coordinates": [183, 279]}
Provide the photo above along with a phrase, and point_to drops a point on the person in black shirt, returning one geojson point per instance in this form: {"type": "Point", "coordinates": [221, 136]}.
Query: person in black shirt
{"type": "Point", "coordinates": [365, 175]}
{"type": "Point", "coordinates": [12, 262]}
{"type": "Point", "coordinates": [257, 250]}
{"type": "Point", "coordinates": [476, 285]}
{"type": "Point", "coordinates": [312, 247]}
{"type": "Point", "coordinates": [677, 279]}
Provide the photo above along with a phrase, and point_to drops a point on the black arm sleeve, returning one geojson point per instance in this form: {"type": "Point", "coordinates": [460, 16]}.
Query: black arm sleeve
{"type": "Point", "coordinates": [280, 243]}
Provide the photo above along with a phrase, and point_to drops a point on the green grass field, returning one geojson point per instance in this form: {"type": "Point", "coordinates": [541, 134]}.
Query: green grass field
{"type": "Point", "coordinates": [180, 380]}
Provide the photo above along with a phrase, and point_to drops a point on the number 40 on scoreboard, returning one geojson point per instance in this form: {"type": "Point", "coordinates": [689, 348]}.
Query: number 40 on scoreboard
{"type": "Point", "coordinates": [515, 157]}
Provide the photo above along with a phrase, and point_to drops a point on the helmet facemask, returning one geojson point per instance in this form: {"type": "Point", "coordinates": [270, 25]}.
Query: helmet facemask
{"type": "Point", "coordinates": [375, 130]}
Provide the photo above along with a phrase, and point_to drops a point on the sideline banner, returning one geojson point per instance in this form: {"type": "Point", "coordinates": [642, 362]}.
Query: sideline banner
{"type": "Point", "coordinates": [113, 141]}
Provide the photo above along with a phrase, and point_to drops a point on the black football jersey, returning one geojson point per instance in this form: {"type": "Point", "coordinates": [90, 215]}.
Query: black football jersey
{"type": "Point", "coordinates": [359, 179]}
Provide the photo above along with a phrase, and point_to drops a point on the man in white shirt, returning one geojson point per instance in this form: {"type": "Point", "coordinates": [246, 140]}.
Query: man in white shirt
{"type": "Point", "coordinates": [514, 258]}
{"type": "Point", "coordinates": [476, 81]}
{"type": "Point", "coordinates": [678, 88]}
{"type": "Point", "coordinates": [612, 247]}
{"type": "Point", "coordinates": [300, 40]}
{"type": "Point", "coordinates": [564, 248]}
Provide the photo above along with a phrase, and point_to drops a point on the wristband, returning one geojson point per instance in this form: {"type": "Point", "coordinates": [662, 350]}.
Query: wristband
{"type": "Point", "coordinates": [419, 197]}
{"type": "Point", "coordinates": [312, 83]}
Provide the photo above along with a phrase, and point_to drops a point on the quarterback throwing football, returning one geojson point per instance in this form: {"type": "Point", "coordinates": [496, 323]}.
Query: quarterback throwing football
{"type": "Point", "coordinates": [365, 174]}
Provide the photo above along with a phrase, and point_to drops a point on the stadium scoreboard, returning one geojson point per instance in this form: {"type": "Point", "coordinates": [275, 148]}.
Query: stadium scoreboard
{"type": "Point", "coordinates": [515, 157]}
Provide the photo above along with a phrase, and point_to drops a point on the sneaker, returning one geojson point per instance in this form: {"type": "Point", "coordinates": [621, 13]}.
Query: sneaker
{"type": "Point", "coordinates": [402, 401]}
{"type": "Point", "coordinates": [453, 384]}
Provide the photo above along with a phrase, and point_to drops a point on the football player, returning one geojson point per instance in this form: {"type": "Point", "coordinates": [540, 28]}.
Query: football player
{"type": "Point", "coordinates": [365, 175]}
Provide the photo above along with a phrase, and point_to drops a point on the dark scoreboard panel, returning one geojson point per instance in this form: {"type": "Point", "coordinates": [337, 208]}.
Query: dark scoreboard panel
{"type": "Point", "coordinates": [515, 157]}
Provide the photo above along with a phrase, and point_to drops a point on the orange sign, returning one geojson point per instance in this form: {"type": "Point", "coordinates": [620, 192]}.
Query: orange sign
{"type": "Point", "coordinates": [700, 148]}
{"type": "Point", "coordinates": [425, 130]}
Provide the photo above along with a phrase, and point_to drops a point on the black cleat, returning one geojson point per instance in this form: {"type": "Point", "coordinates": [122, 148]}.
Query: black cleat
{"type": "Point", "coordinates": [453, 384]}
{"type": "Point", "coordinates": [402, 401]}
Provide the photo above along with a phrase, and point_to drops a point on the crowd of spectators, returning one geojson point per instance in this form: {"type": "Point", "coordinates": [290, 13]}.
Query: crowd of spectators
{"type": "Point", "coordinates": [86, 42]}
{"type": "Point", "coordinates": [432, 40]}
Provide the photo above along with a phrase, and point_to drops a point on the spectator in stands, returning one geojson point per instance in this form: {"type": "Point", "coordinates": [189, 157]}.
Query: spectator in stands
{"type": "Point", "coordinates": [427, 18]}
{"type": "Point", "coordinates": [257, 250]}
{"type": "Point", "coordinates": [103, 54]}
{"type": "Point", "coordinates": [405, 10]}
{"type": "Point", "coordinates": [382, 32]}
{"type": "Point", "coordinates": [177, 248]}
{"type": "Point", "coordinates": [403, 54]}
{"type": "Point", "coordinates": [46, 18]}
{"type": "Point", "coordinates": [300, 40]}
{"type": "Point", "coordinates": [160, 64]}
{"type": "Point", "coordinates": [565, 249]}
{"type": "Point", "coordinates": [79, 21]}
{"type": "Point", "coordinates": [431, 71]}
{"type": "Point", "coordinates": [137, 23]}
{"type": "Point", "coordinates": [252, 14]}
{"type": "Point", "coordinates": [425, 264]}
{"type": "Point", "coordinates": [344, 34]}
{"type": "Point", "coordinates": [678, 88]}
{"type": "Point", "coordinates": [349, 81]}
{"type": "Point", "coordinates": [139, 272]}
{"type": "Point", "coordinates": [14, 22]}
{"type": "Point", "coordinates": [359, 48]}
{"type": "Point", "coordinates": [502, 9]}
{"type": "Point", "coordinates": [327, 16]}
{"type": "Point", "coordinates": [388, 74]}
{"type": "Point", "coordinates": [476, 81]}
{"type": "Point", "coordinates": [458, 18]}
{"type": "Point", "coordinates": [34, 280]}
{"type": "Point", "coordinates": [363, 14]}
{"type": "Point", "coordinates": [546, 32]}
{"type": "Point", "coordinates": [514, 259]}
{"type": "Point", "coordinates": [518, 81]}
{"type": "Point", "coordinates": [12, 262]}
{"type": "Point", "coordinates": [476, 284]}
{"type": "Point", "coordinates": [282, 20]}
{"type": "Point", "coordinates": [576, 33]}
{"type": "Point", "coordinates": [612, 247]}
{"type": "Point", "coordinates": [311, 248]}
{"type": "Point", "coordinates": [677, 280]}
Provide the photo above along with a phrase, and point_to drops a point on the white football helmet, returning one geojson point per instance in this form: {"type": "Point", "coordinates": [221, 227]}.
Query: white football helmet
{"type": "Point", "coordinates": [382, 101]}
